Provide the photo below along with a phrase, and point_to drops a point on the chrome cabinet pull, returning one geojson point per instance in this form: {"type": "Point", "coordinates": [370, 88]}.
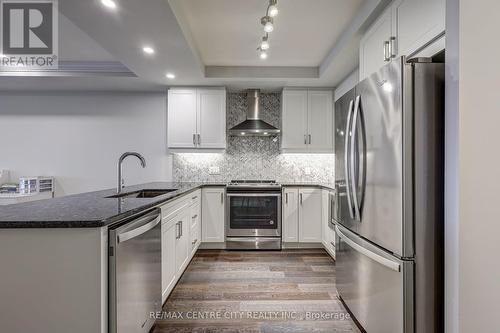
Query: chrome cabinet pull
{"type": "Point", "coordinates": [222, 198]}
{"type": "Point", "coordinates": [194, 139]}
{"type": "Point", "coordinates": [392, 47]}
{"type": "Point", "coordinates": [305, 139]}
{"type": "Point", "coordinates": [199, 140]}
{"type": "Point", "coordinates": [195, 216]}
{"type": "Point", "coordinates": [309, 138]}
{"type": "Point", "coordinates": [301, 198]}
{"type": "Point", "coordinates": [387, 46]}
{"type": "Point", "coordinates": [286, 198]}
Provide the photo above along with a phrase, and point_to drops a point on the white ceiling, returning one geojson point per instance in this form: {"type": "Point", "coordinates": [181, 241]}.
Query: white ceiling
{"type": "Point", "coordinates": [227, 32]}
{"type": "Point", "coordinates": [317, 37]}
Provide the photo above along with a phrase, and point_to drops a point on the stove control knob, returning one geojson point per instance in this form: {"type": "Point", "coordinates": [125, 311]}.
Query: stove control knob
{"type": "Point", "coordinates": [271, 222]}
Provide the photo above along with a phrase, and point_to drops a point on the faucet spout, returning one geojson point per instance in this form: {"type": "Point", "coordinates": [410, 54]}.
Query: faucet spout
{"type": "Point", "coordinates": [121, 184]}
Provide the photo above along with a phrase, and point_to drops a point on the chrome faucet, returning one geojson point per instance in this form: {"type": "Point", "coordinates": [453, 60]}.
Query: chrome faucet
{"type": "Point", "coordinates": [121, 183]}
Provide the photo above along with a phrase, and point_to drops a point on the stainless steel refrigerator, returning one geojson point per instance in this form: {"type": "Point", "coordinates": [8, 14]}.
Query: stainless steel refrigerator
{"type": "Point", "coordinates": [389, 173]}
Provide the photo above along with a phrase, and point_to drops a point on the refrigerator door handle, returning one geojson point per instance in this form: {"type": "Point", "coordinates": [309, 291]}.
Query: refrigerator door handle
{"type": "Point", "coordinates": [355, 161]}
{"type": "Point", "coordinates": [346, 159]}
{"type": "Point", "coordinates": [378, 258]}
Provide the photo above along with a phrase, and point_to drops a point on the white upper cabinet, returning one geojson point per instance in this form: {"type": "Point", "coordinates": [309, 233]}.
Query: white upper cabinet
{"type": "Point", "coordinates": [294, 121]}
{"type": "Point", "coordinates": [182, 109]}
{"type": "Point", "coordinates": [374, 47]}
{"type": "Point", "coordinates": [197, 118]}
{"type": "Point", "coordinates": [212, 118]}
{"type": "Point", "coordinates": [404, 28]}
{"type": "Point", "coordinates": [320, 120]}
{"type": "Point", "coordinates": [416, 23]}
{"type": "Point", "coordinates": [307, 120]}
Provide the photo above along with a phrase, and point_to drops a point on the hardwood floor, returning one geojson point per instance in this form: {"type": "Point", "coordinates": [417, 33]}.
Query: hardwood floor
{"type": "Point", "coordinates": [256, 291]}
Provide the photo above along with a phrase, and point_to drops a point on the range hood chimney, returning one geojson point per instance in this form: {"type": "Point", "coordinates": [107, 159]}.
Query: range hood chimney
{"type": "Point", "coordinates": [253, 125]}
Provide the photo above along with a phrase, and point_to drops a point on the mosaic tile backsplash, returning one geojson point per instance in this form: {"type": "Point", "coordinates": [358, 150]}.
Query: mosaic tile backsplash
{"type": "Point", "coordinates": [253, 157]}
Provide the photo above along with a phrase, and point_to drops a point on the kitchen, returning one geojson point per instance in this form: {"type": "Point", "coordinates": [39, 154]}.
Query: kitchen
{"type": "Point", "coordinates": [200, 184]}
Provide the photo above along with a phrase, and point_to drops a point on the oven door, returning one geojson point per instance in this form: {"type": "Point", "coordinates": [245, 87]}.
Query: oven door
{"type": "Point", "coordinates": [253, 214]}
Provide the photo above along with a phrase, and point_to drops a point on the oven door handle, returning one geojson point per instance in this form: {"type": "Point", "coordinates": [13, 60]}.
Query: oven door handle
{"type": "Point", "coordinates": [254, 195]}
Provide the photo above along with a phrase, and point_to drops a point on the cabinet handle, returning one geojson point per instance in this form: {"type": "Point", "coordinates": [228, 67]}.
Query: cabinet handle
{"type": "Point", "coordinates": [194, 139]}
{"type": "Point", "coordinates": [181, 229]}
{"type": "Point", "coordinates": [286, 198]}
{"type": "Point", "coordinates": [305, 139]}
{"type": "Point", "coordinates": [177, 232]}
{"type": "Point", "coordinates": [301, 198]}
{"type": "Point", "coordinates": [194, 242]}
{"type": "Point", "coordinates": [195, 216]}
{"type": "Point", "coordinates": [392, 46]}
{"type": "Point", "coordinates": [222, 198]}
{"type": "Point", "coordinates": [194, 198]}
{"type": "Point", "coordinates": [199, 140]}
{"type": "Point", "coordinates": [310, 138]}
{"type": "Point", "coordinates": [387, 46]}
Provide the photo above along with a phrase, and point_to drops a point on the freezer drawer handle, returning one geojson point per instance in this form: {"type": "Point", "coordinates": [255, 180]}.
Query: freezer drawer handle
{"type": "Point", "coordinates": [381, 260]}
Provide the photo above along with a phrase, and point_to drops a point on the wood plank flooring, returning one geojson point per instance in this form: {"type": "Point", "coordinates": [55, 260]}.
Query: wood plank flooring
{"type": "Point", "coordinates": [256, 292]}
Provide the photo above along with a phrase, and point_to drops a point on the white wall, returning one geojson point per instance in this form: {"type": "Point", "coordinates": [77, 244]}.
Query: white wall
{"type": "Point", "coordinates": [78, 137]}
{"type": "Point", "coordinates": [473, 116]}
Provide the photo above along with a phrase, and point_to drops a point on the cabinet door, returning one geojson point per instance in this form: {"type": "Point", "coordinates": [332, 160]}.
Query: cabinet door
{"type": "Point", "coordinates": [212, 206]}
{"type": "Point", "coordinates": [290, 215]}
{"type": "Point", "coordinates": [168, 267]}
{"type": "Point", "coordinates": [294, 124]}
{"type": "Point", "coordinates": [371, 49]}
{"type": "Point", "coordinates": [310, 215]}
{"type": "Point", "coordinates": [212, 118]}
{"type": "Point", "coordinates": [320, 120]}
{"type": "Point", "coordinates": [181, 118]}
{"type": "Point", "coordinates": [182, 248]}
{"type": "Point", "coordinates": [416, 23]}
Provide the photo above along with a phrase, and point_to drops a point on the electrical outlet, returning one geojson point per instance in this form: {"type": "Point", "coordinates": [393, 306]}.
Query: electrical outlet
{"type": "Point", "coordinates": [214, 170]}
{"type": "Point", "coordinates": [307, 171]}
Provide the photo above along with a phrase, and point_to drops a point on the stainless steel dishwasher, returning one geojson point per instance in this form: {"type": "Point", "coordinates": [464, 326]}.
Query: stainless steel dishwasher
{"type": "Point", "coordinates": [135, 273]}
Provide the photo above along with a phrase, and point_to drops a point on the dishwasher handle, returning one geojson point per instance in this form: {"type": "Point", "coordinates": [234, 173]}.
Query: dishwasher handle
{"type": "Point", "coordinates": [139, 227]}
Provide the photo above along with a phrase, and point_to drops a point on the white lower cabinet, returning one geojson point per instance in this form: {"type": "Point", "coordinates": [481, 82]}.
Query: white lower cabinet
{"type": "Point", "coordinates": [213, 212]}
{"type": "Point", "coordinates": [180, 226]}
{"type": "Point", "coordinates": [302, 215]}
{"type": "Point", "coordinates": [290, 215]}
{"type": "Point", "coordinates": [168, 257]}
{"type": "Point", "coordinates": [182, 247]}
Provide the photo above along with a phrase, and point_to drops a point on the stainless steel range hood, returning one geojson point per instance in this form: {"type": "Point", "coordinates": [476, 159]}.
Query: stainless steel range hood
{"type": "Point", "coordinates": [253, 125]}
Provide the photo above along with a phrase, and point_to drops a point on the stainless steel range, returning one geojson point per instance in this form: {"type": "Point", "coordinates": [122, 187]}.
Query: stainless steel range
{"type": "Point", "coordinates": [253, 215]}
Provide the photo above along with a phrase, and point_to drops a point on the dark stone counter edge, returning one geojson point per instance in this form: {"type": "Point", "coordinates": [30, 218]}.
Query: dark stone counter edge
{"type": "Point", "coordinates": [130, 213]}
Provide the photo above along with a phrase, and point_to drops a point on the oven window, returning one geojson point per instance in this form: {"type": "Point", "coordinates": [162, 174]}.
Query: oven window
{"type": "Point", "coordinates": [253, 212]}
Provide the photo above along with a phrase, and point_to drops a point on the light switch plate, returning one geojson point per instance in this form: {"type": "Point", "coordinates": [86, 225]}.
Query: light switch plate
{"type": "Point", "coordinates": [214, 170]}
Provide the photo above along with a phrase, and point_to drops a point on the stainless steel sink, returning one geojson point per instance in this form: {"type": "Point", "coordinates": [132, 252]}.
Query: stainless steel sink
{"type": "Point", "coordinates": [147, 193]}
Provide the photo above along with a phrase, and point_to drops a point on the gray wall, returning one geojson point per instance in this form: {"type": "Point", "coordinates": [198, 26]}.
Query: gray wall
{"type": "Point", "coordinates": [78, 137]}
{"type": "Point", "coordinates": [472, 196]}
{"type": "Point", "coordinates": [254, 157]}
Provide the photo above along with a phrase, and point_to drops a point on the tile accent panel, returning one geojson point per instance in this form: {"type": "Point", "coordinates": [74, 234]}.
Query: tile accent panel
{"type": "Point", "coordinates": [253, 157]}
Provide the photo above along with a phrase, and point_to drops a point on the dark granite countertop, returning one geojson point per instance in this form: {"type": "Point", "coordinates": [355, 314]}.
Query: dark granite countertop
{"type": "Point", "coordinates": [89, 210]}
{"type": "Point", "coordinates": [94, 209]}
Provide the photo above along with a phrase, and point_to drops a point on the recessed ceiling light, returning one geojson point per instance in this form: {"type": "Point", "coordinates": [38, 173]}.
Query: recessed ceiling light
{"type": "Point", "coordinates": [148, 50]}
{"type": "Point", "coordinates": [109, 3]}
{"type": "Point", "coordinates": [170, 76]}
{"type": "Point", "coordinates": [265, 133]}
{"type": "Point", "coordinates": [243, 133]}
